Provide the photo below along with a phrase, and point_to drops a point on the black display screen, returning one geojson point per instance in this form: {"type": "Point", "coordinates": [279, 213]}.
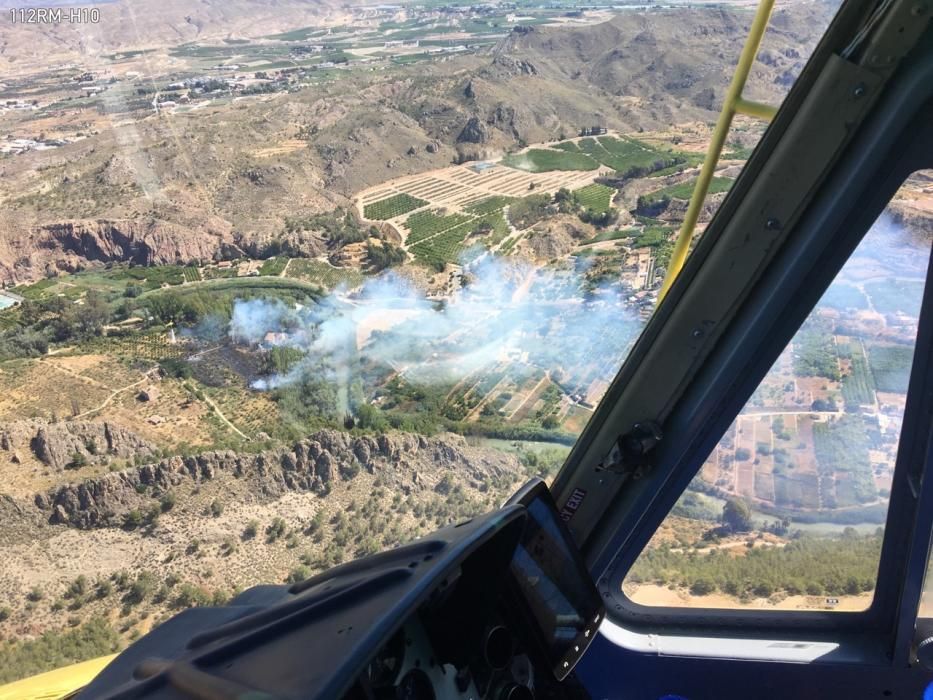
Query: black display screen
{"type": "Point", "coordinates": [555, 586]}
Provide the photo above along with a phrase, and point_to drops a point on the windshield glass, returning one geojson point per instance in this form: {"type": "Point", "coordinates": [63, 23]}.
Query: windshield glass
{"type": "Point", "coordinates": [286, 284]}
{"type": "Point", "coordinates": [788, 511]}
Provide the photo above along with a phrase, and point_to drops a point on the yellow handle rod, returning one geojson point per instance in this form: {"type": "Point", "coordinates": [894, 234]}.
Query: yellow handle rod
{"type": "Point", "coordinates": [718, 140]}
{"type": "Point", "coordinates": [759, 110]}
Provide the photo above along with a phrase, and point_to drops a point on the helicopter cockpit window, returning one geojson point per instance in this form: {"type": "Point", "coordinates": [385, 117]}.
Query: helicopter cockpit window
{"type": "Point", "coordinates": [282, 286]}
{"type": "Point", "coordinates": [788, 511]}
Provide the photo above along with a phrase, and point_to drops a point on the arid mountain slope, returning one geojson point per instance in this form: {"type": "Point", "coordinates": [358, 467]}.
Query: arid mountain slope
{"type": "Point", "coordinates": [224, 178]}
{"type": "Point", "coordinates": [139, 24]}
{"type": "Point", "coordinates": [664, 66]}
{"type": "Point", "coordinates": [219, 521]}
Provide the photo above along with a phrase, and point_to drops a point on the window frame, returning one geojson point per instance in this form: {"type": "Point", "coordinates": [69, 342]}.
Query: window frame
{"type": "Point", "coordinates": [748, 365]}
{"type": "Point", "coordinates": [902, 520]}
{"type": "Point", "coordinates": [891, 142]}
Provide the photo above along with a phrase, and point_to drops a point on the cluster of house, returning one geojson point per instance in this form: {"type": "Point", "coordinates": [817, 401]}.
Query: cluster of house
{"type": "Point", "coordinates": [17, 146]}
{"type": "Point", "coordinates": [9, 105]}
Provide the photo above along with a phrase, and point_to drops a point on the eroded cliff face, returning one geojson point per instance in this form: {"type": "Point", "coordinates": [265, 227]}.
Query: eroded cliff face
{"type": "Point", "coordinates": [406, 461]}
{"type": "Point", "coordinates": [72, 245]}
{"type": "Point", "coordinates": [56, 445]}
{"type": "Point", "coordinates": [917, 221]}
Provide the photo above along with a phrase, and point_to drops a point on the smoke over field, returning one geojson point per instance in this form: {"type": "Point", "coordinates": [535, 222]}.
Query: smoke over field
{"type": "Point", "coordinates": [505, 315]}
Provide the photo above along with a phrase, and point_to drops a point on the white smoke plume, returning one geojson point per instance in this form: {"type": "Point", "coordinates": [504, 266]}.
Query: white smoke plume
{"type": "Point", "coordinates": [508, 315]}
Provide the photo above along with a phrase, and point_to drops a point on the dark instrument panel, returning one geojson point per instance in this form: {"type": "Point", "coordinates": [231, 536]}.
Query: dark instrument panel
{"type": "Point", "coordinates": [498, 607]}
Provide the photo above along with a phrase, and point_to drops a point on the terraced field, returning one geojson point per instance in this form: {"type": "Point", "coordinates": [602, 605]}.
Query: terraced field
{"type": "Point", "coordinates": [684, 190]}
{"type": "Point", "coordinates": [444, 213]}
{"type": "Point", "coordinates": [489, 205]}
{"type": "Point", "coordinates": [619, 153]}
{"type": "Point", "coordinates": [425, 224]}
{"type": "Point", "coordinates": [393, 206]}
{"type": "Point", "coordinates": [322, 273]}
{"type": "Point", "coordinates": [459, 189]}
{"type": "Point", "coordinates": [540, 160]}
{"type": "Point", "coordinates": [597, 198]}
{"type": "Point", "coordinates": [444, 247]}
{"type": "Point", "coordinates": [435, 238]}
{"type": "Point", "coordinates": [622, 153]}
{"type": "Point", "coordinates": [273, 267]}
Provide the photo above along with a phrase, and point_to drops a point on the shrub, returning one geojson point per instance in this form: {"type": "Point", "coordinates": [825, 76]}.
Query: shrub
{"type": "Point", "coordinates": [702, 586]}
{"type": "Point", "coordinates": [349, 470]}
{"type": "Point", "coordinates": [78, 460]}
{"type": "Point", "coordinates": [141, 588]}
{"type": "Point", "coordinates": [299, 574]}
{"type": "Point", "coordinates": [736, 515]}
{"type": "Point", "coordinates": [275, 530]}
{"type": "Point", "coordinates": [190, 596]}
{"type": "Point", "coordinates": [167, 502]}
{"type": "Point", "coordinates": [133, 519]}
{"type": "Point", "coordinates": [173, 367]}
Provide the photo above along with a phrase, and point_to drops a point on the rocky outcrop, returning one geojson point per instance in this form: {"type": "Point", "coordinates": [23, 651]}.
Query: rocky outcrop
{"type": "Point", "coordinates": [297, 244]}
{"type": "Point", "coordinates": [309, 465]}
{"type": "Point", "coordinates": [919, 222]}
{"type": "Point", "coordinates": [473, 132]}
{"type": "Point", "coordinates": [57, 444]}
{"type": "Point", "coordinates": [514, 66]}
{"type": "Point", "coordinates": [139, 242]}
{"type": "Point", "coordinates": [68, 246]}
{"type": "Point", "coordinates": [557, 236]}
{"type": "Point", "coordinates": [674, 210]}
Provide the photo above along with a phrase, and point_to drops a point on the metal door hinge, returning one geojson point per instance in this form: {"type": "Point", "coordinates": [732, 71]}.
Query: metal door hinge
{"type": "Point", "coordinates": [629, 456]}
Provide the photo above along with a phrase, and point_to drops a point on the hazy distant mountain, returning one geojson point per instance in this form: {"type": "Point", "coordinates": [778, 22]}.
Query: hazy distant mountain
{"type": "Point", "coordinates": [141, 24]}
{"type": "Point", "coordinates": [673, 62]}
{"type": "Point", "coordinates": [181, 188]}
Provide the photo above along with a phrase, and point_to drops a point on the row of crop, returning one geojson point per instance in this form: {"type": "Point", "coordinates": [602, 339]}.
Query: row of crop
{"type": "Point", "coordinates": [539, 160]}
{"type": "Point", "coordinates": [683, 190]}
{"type": "Point", "coordinates": [858, 386]}
{"type": "Point", "coordinates": [444, 247]}
{"type": "Point", "coordinates": [393, 206]}
{"type": "Point", "coordinates": [425, 224]}
{"type": "Point", "coordinates": [595, 197]}
{"type": "Point", "coordinates": [490, 205]}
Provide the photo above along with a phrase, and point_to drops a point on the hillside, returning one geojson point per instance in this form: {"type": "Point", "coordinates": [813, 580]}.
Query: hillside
{"type": "Point", "coordinates": [211, 182]}
{"type": "Point", "coordinates": [137, 24]}
{"type": "Point", "coordinates": [189, 530]}
{"type": "Point", "coordinates": [666, 66]}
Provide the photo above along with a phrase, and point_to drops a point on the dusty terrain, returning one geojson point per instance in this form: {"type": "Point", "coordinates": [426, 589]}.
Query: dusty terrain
{"type": "Point", "coordinates": [399, 486]}
{"type": "Point", "coordinates": [140, 25]}
{"type": "Point", "coordinates": [131, 492]}
{"type": "Point", "coordinates": [172, 186]}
